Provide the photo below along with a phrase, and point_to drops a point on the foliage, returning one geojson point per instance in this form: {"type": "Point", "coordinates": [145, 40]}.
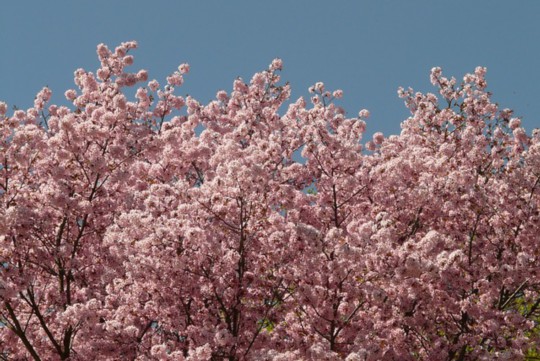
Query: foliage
{"type": "Point", "coordinates": [160, 228]}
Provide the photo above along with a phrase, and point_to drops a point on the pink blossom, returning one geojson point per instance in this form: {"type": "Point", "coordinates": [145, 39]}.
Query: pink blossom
{"type": "Point", "coordinates": [128, 60]}
{"type": "Point", "coordinates": [3, 109]}
{"type": "Point", "coordinates": [520, 135]}
{"type": "Point", "coordinates": [103, 51]}
{"type": "Point", "coordinates": [175, 79]}
{"type": "Point", "coordinates": [202, 353]}
{"type": "Point", "coordinates": [277, 64]}
{"type": "Point", "coordinates": [337, 94]}
{"type": "Point", "coordinates": [153, 85]}
{"type": "Point", "coordinates": [223, 338]}
{"type": "Point", "coordinates": [70, 94]}
{"type": "Point", "coordinates": [183, 68]}
{"type": "Point", "coordinates": [378, 138]}
{"type": "Point", "coordinates": [142, 75]}
{"type": "Point", "coordinates": [222, 96]}
{"type": "Point", "coordinates": [53, 109]}
{"type": "Point", "coordinates": [364, 113]}
{"type": "Point", "coordinates": [514, 123]}
{"type": "Point", "coordinates": [120, 51]}
{"type": "Point", "coordinates": [129, 45]}
{"type": "Point", "coordinates": [103, 73]}
{"type": "Point", "coordinates": [435, 75]}
{"type": "Point", "coordinates": [371, 146]}
{"type": "Point", "coordinates": [42, 97]}
{"type": "Point", "coordinates": [20, 114]}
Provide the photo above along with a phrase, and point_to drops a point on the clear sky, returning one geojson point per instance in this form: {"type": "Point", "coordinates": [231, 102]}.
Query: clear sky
{"type": "Point", "coordinates": [366, 48]}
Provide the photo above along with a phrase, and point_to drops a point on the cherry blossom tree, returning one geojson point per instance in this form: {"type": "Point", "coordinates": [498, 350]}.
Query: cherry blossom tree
{"type": "Point", "coordinates": [159, 228]}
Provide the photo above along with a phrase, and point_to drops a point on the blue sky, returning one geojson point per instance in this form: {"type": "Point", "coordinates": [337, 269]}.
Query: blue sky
{"type": "Point", "coordinates": [366, 48]}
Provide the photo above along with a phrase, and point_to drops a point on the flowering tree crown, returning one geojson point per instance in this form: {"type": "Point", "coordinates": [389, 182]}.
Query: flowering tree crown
{"type": "Point", "coordinates": [158, 228]}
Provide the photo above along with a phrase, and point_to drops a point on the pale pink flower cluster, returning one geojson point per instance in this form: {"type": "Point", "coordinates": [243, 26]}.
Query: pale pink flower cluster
{"type": "Point", "coordinates": [175, 79]}
{"type": "Point", "coordinates": [70, 94]}
{"type": "Point", "coordinates": [364, 113]}
{"type": "Point", "coordinates": [277, 64]}
{"type": "Point", "coordinates": [3, 108]}
{"type": "Point", "coordinates": [153, 85]}
{"type": "Point", "coordinates": [514, 123]}
{"type": "Point", "coordinates": [42, 98]}
{"type": "Point", "coordinates": [183, 68]}
{"type": "Point", "coordinates": [378, 138]}
{"type": "Point", "coordinates": [337, 94]}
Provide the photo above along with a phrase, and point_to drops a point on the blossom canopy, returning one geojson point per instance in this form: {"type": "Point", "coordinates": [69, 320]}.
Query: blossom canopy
{"type": "Point", "coordinates": [154, 227]}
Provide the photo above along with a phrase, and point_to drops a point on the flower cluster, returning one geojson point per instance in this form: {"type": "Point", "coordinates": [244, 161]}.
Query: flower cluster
{"type": "Point", "coordinates": [161, 228]}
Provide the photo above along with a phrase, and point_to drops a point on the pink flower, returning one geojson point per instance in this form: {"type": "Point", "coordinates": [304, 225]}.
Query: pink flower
{"type": "Point", "coordinates": [142, 75]}
{"type": "Point", "coordinates": [378, 138]}
{"type": "Point", "coordinates": [435, 75]}
{"type": "Point", "coordinates": [53, 110]}
{"type": "Point", "coordinates": [128, 60]}
{"type": "Point", "coordinates": [119, 101]}
{"type": "Point", "coordinates": [103, 51]}
{"type": "Point", "coordinates": [222, 96]}
{"type": "Point", "coordinates": [337, 94]}
{"type": "Point", "coordinates": [223, 337]}
{"type": "Point", "coordinates": [520, 135]}
{"type": "Point", "coordinates": [20, 114]}
{"type": "Point", "coordinates": [506, 113]}
{"type": "Point", "coordinates": [3, 109]}
{"type": "Point", "coordinates": [258, 79]}
{"type": "Point", "coordinates": [480, 71]}
{"type": "Point", "coordinates": [371, 146]}
{"type": "Point", "coordinates": [183, 68]}
{"type": "Point", "coordinates": [202, 353]}
{"type": "Point", "coordinates": [364, 113]}
{"type": "Point", "coordinates": [277, 64]}
{"type": "Point", "coordinates": [175, 79]}
{"type": "Point", "coordinates": [41, 98]}
{"type": "Point", "coordinates": [153, 85]}
{"type": "Point", "coordinates": [129, 44]}
{"type": "Point", "coordinates": [70, 94]}
{"type": "Point", "coordinates": [103, 73]}
{"type": "Point", "coordinates": [120, 51]}
{"type": "Point", "coordinates": [514, 123]}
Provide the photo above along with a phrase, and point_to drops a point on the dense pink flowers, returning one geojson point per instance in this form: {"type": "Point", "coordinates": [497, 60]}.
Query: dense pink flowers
{"type": "Point", "coordinates": [153, 227]}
